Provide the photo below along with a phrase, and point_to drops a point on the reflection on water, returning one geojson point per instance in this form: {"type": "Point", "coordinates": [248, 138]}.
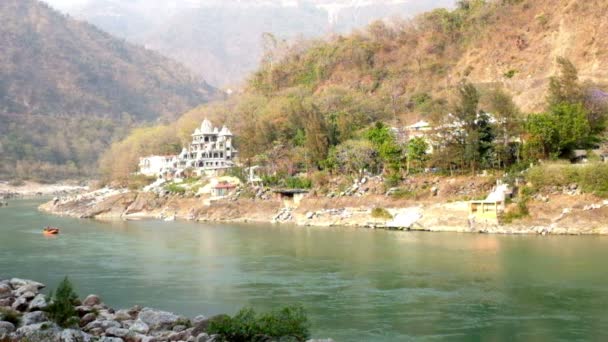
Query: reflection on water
{"type": "Point", "coordinates": [357, 284]}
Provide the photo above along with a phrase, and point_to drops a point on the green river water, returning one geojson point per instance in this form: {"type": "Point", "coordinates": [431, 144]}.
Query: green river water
{"type": "Point", "coordinates": [356, 284]}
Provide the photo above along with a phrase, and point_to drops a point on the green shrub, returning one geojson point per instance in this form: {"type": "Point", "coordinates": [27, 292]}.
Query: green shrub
{"type": "Point", "coordinates": [10, 316]}
{"type": "Point", "coordinates": [175, 189]}
{"type": "Point", "coordinates": [271, 180]}
{"type": "Point", "coordinates": [392, 179]}
{"type": "Point", "coordinates": [510, 74]}
{"type": "Point", "coordinates": [401, 193]}
{"type": "Point", "coordinates": [288, 324]}
{"type": "Point", "coordinates": [297, 183]}
{"type": "Point", "coordinates": [381, 213]}
{"type": "Point", "coordinates": [61, 305]}
{"type": "Point", "coordinates": [591, 178]}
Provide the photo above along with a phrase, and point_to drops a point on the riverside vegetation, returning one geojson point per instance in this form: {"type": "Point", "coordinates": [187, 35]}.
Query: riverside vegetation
{"type": "Point", "coordinates": [328, 107]}
{"type": "Point", "coordinates": [28, 315]}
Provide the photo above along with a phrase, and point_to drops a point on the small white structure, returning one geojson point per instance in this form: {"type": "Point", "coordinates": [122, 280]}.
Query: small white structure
{"type": "Point", "coordinates": [157, 165]}
{"type": "Point", "coordinates": [419, 129]}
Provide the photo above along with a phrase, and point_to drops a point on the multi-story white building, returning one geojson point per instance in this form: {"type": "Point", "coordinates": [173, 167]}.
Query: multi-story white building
{"type": "Point", "coordinates": [211, 151]}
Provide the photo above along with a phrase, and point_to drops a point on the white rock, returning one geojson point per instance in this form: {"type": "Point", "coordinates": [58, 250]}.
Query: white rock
{"type": "Point", "coordinates": [16, 283]}
{"type": "Point", "coordinates": [157, 319]}
{"type": "Point", "coordinates": [117, 332]}
{"type": "Point", "coordinates": [71, 335]}
{"type": "Point", "coordinates": [6, 328]}
{"type": "Point", "coordinates": [38, 303]}
{"type": "Point", "coordinates": [34, 317]}
{"type": "Point", "coordinates": [139, 327]}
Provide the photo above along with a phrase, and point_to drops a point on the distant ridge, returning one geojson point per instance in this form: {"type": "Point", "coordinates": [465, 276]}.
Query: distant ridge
{"type": "Point", "coordinates": [67, 89]}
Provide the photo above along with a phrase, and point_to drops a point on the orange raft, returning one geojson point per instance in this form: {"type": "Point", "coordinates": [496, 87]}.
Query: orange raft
{"type": "Point", "coordinates": [50, 231]}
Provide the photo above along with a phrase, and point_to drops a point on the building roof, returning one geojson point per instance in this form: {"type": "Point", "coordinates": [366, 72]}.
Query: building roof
{"type": "Point", "coordinates": [419, 124]}
{"type": "Point", "coordinates": [224, 186]}
{"type": "Point", "coordinates": [225, 132]}
{"type": "Point", "coordinates": [206, 127]}
{"type": "Point", "coordinates": [290, 191]}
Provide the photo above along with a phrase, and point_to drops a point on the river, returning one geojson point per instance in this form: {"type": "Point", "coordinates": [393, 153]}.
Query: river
{"type": "Point", "coordinates": [356, 284]}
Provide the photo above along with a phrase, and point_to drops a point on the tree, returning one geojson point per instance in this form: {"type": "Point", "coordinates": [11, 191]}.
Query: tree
{"type": "Point", "coordinates": [508, 122]}
{"type": "Point", "coordinates": [476, 137]}
{"type": "Point", "coordinates": [317, 140]}
{"type": "Point", "coordinates": [572, 126]}
{"type": "Point", "coordinates": [558, 132]}
{"type": "Point", "coordinates": [565, 87]}
{"type": "Point", "coordinates": [416, 153]}
{"type": "Point", "coordinates": [385, 143]}
{"type": "Point", "coordinates": [61, 308]}
{"type": "Point", "coordinates": [354, 156]}
{"type": "Point", "coordinates": [543, 136]}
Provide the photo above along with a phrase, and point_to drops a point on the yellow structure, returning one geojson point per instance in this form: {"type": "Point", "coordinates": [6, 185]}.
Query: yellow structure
{"type": "Point", "coordinates": [485, 209]}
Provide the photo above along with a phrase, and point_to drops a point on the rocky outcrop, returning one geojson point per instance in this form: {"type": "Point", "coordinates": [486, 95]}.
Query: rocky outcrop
{"type": "Point", "coordinates": [26, 321]}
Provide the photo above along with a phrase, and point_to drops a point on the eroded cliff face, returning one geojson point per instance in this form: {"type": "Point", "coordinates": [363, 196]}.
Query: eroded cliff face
{"type": "Point", "coordinates": [526, 39]}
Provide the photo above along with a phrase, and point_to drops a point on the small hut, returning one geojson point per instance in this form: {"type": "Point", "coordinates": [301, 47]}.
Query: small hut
{"type": "Point", "coordinates": [222, 189]}
{"type": "Point", "coordinates": [291, 198]}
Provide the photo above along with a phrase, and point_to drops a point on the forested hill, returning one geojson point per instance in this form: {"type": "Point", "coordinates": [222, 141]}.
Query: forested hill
{"type": "Point", "coordinates": [67, 88]}
{"type": "Point", "coordinates": [313, 98]}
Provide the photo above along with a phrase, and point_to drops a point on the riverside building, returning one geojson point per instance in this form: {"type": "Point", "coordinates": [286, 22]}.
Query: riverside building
{"type": "Point", "coordinates": [211, 151]}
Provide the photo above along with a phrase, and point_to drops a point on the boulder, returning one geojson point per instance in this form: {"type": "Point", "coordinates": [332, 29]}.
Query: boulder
{"type": "Point", "coordinates": [17, 283]}
{"type": "Point", "coordinates": [139, 327]}
{"type": "Point", "coordinates": [86, 319]}
{"type": "Point", "coordinates": [71, 335]}
{"type": "Point", "coordinates": [20, 304]}
{"type": "Point", "coordinates": [111, 339]}
{"type": "Point", "coordinates": [179, 328]}
{"type": "Point", "coordinates": [158, 320]}
{"type": "Point", "coordinates": [202, 337]}
{"type": "Point", "coordinates": [34, 318]}
{"type": "Point", "coordinates": [28, 288]}
{"type": "Point", "coordinates": [181, 336]}
{"type": "Point", "coordinates": [5, 291]}
{"type": "Point", "coordinates": [29, 295]}
{"type": "Point", "coordinates": [200, 326]}
{"type": "Point", "coordinates": [122, 315]}
{"type": "Point", "coordinates": [38, 303]}
{"type": "Point", "coordinates": [117, 332]}
{"type": "Point", "coordinates": [104, 325]}
{"type": "Point", "coordinates": [83, 310]}
{"type": "Point", "coordinates": [47, 332]}
{"type": "Point", "coordinates": [6, 328]}
{"type": "Point", "coordinates": [106, 315]}
{"type": "Point", "coordinates": [91, 300]}
{"type": "Point", "coordinates": [7, 302]}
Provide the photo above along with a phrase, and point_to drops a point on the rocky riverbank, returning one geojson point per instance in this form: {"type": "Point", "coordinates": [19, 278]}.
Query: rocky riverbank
{"type": "Point", "coordinates": [553, 214]}
{"type": "Point", "coordinates": [33, 189]}
{"type": "Point", "coordinates": [23, 318]}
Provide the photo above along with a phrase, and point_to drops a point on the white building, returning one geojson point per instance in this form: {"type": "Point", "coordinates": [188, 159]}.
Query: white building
{"type": "Point", "coordinates": [211, 151]}
{"type": "Point", "coordinates": [157, 165]}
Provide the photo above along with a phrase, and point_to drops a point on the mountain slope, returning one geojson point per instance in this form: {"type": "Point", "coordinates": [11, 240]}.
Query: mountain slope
{"type": "Point", "coordinates": [223, 39]}
{"type": "Point", "coordinates": [508, 43]}
{"type": "Point", "coordinates": [57, 73]}
{"type": "Point", "coordinates": [312, 96]}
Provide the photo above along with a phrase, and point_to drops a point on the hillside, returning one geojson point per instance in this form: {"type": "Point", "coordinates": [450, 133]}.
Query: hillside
{"type": "Point", "coordinates": [222, 40]}
{"type": "Point", "coordinates": [309, 100]}
{"type": "Point", "coordinates": [68, 89]}
{"type": "Point", "coordinates": [510, 43]}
